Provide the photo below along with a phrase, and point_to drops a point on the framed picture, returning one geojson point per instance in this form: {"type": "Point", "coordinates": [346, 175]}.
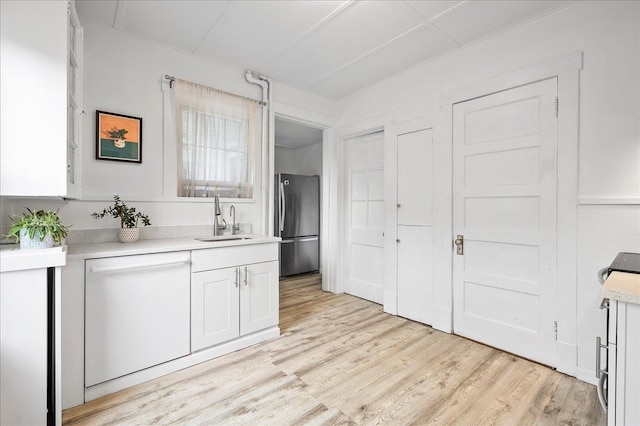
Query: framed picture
{"type": "Point", "coordinates": [118, 137]}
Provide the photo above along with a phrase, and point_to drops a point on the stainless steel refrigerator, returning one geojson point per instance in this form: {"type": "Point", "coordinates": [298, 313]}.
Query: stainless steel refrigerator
{"type": "Point", "coordinates": [297, 222]}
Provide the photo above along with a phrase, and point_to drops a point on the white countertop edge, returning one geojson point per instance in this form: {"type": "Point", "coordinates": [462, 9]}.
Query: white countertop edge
{"type": "Point", "coordinates": [620, 296]}
{"type": "Point", "coordinates": [14, 259]}
{"type": "Point", "coordinates": [623, 287]}
{"type": "Point", "coordinates": [160, 245]}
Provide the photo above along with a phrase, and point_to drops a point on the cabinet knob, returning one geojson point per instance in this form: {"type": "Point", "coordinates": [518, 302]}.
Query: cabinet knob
{"type": "Point", "coordinates": [398, 240]}
{"type": "Point", "coordinates": [398, 205]}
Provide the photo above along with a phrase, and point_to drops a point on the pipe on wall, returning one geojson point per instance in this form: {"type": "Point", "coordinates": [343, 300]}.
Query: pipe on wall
{"type": "Point", "coordinates": [268, 136]}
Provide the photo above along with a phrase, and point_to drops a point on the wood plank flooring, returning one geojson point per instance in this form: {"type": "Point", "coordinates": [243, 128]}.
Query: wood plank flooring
{"type": "Point", "coordinates": [341, 360]}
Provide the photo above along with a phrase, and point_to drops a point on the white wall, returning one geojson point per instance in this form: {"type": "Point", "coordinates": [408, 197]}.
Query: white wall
{"type": "Point", "coordinates": [123, 74]}
{"type": "Point", "coordinates": [608, 33]}
{"type": "Point", "coordinates": [302, 161]}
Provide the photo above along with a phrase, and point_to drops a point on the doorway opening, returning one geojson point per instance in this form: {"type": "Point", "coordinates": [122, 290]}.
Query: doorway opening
{"type": "Point", "coordinates": [298, 195]}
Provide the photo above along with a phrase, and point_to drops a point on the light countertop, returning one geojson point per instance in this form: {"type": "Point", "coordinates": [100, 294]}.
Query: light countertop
{"type": "Point", "coordinates": [622, 286]}
{"type": "Point", "coordinates": [161, 245]}
{"type": "Point", "coordinates": [14, 259]}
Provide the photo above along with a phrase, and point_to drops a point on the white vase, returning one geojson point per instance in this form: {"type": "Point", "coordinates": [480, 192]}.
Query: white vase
{"type": "Point", "coordinates": [27, 243]}
{"type": "Point", "coordinates": [129, 235]}
{"type": "Point", "coordinates": [119, 143]}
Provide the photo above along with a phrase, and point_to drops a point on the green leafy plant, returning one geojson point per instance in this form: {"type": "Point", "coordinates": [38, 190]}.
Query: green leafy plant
{"type": "Point", "coordinates": [117, 134]}
{"type": "Point", "coordinates": [128, 216]}
{"type": "Point", "coordinates": [43, 222]}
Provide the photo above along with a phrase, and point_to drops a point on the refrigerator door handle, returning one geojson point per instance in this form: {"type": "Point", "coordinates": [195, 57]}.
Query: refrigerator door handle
{"type": "Point", "coordinates": [282, 207]}
{"type": "Point", "coordinates": [299, 240]}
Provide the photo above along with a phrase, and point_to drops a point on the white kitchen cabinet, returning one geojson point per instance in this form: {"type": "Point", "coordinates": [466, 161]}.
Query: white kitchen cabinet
{"type": "Point", "coordinates": [40, 99]}
{"type": "Point", "coordinates": [30, 392]}
{"type": "Point", "coordinates": [415, 226]}
{"type": "Point", "coordinates": [624, 368]}
{"type": "Point", "coordinates": [136, 313]}
{"type": "Point", "coordinates": [112, 332]}
{"type": "Point", "coordinates": [237, 298]}
{"type": "Point", "coordinates": [75, 43]}
{"type": "Point", "coordinates": [259, 294]}
{"type": "Point", "coordinates": [215, 307]}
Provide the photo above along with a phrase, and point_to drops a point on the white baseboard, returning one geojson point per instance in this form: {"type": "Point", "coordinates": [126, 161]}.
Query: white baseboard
{"type": "Point", "coordinates": [442, 319]}
{"type": "Point", "coordinates": [150, 373]}
{"type": "Point", "coordinates": [390, 303]}
{"type": "Point", "coordinates": [567, 358]}
{"type": "Point", "coordinates": [588, 376]}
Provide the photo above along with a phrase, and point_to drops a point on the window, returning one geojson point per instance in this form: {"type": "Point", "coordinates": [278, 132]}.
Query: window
{"type": "Point", "coordinates": [217, 134]}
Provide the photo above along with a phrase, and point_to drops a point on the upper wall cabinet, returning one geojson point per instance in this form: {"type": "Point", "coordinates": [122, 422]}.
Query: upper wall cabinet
{"type": "Point", "coordinates": [40, 96]}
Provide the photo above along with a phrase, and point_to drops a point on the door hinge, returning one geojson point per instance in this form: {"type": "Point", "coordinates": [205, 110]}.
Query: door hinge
{"type": "Point", "coordinates": [555, 329]}
{"type": "Point", "coordinates": [556, 106]}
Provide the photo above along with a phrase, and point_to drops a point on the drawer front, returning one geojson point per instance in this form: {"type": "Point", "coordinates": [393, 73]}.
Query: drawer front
{"type": "Point", "coordinates": [226, 257]}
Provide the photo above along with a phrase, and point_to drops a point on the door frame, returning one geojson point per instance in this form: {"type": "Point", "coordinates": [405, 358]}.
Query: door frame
{"type": "Point", "coordinates": [333, 191]}
{"type": "Point", "coordinates": [567, 70]}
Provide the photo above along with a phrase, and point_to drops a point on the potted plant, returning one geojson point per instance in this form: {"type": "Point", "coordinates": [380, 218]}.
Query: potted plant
{"type": "Point", "coordinates": [39, 229]}
{"type": "Point", "coordinates": [129, 219]}
{"type": "Point", "coordinates": [118, 136]}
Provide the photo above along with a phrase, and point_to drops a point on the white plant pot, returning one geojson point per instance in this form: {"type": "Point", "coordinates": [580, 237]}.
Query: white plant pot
{"type": "Point", "coordinates": [129, 235]}
{"type": "Point", "coordinates": [27, 243]}
{"type": "Point", "coordinates": [119, 143]}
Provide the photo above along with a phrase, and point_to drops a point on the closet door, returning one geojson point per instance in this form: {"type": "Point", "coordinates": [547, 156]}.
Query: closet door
{"type": "Point", "coordinates": [415, 283]}
{"type": "Point", "coordinates": [365, 216]}
{"type": "Point", "coordinates": [504, 209]}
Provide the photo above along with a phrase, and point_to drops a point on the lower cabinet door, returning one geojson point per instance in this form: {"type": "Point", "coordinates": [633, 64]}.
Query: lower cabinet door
{"type": "Point", "coordinates": [415, 273]}
{"type": "Point", "coordinates": [259, 293]}
{"type": "Point", "coordinates": [214, 307]}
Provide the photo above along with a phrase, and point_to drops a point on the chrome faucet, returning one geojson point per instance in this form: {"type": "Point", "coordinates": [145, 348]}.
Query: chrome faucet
{"type": "Point", "coordinates": [216, 212]}
{"type": "Point", "coordinates": [235, 228]}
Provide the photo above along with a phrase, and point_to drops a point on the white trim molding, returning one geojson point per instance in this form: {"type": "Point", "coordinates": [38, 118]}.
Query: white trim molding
{"type": "Point", "coordinates": [607, 201]}
{"type": "Point", "coordinates": [333, 210]}
{"type": "Point", "coordinates": [566, 69]}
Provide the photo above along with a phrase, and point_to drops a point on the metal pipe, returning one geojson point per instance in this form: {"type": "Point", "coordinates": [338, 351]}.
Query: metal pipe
{"type": "Point", "coordinates": [271, 160]}
{"type": "Point", "coordinates": [265, 187]}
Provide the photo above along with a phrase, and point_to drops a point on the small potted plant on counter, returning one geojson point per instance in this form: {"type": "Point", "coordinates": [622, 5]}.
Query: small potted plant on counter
{"type": "Point", "coordinates": [129, 219]}
{"type": "Point", "coordinates": [36, 230]}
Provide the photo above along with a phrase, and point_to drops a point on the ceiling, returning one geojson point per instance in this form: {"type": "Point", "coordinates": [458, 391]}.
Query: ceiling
{"type": "Point", "coordinates": [289, 134]}
{"type": "Point", "coordinates": [330, 48]}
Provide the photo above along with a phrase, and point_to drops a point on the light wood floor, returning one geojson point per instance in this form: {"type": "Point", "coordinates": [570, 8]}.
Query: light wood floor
{"type": "Point", "coordinates": [341, 360]}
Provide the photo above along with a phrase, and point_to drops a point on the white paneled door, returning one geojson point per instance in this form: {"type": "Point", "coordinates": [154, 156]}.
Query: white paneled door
{"type": "Point", "coordinates": [504, 207]}
{"type": "Point", "coordinates": [365, 216]}
{"type": "Point", "coordinates": [415, 225]}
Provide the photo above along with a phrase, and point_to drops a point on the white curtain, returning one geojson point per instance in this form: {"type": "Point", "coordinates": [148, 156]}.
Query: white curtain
{"type": "Point", "coordinates": [217, 137]}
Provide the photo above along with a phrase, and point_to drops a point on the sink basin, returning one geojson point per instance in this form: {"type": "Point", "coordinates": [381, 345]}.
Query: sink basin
{"type": "Point", "coordinates": [211, 238]}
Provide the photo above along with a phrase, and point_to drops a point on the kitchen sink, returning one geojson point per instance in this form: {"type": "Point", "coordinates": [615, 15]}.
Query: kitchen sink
{"type": "Point", "coordinates": [212, 238]}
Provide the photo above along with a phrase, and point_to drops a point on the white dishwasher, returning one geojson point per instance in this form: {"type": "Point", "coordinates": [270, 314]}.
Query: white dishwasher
{"type": "Point", "coordinates": [137, 313]}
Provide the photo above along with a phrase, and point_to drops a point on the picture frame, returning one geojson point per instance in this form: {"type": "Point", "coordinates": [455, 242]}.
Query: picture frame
{"type": "Point", "coordinates": [118, 137]}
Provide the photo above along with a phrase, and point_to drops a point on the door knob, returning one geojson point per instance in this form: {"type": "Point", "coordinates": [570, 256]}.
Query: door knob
{"type": "Point", "coordinates": [459, 242]}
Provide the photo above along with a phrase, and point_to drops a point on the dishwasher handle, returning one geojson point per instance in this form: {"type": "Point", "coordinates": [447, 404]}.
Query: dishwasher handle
{"type": "Point", "coordinates": [602, 274]}
{"type": "Point", "coordinates": [159, 264]}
